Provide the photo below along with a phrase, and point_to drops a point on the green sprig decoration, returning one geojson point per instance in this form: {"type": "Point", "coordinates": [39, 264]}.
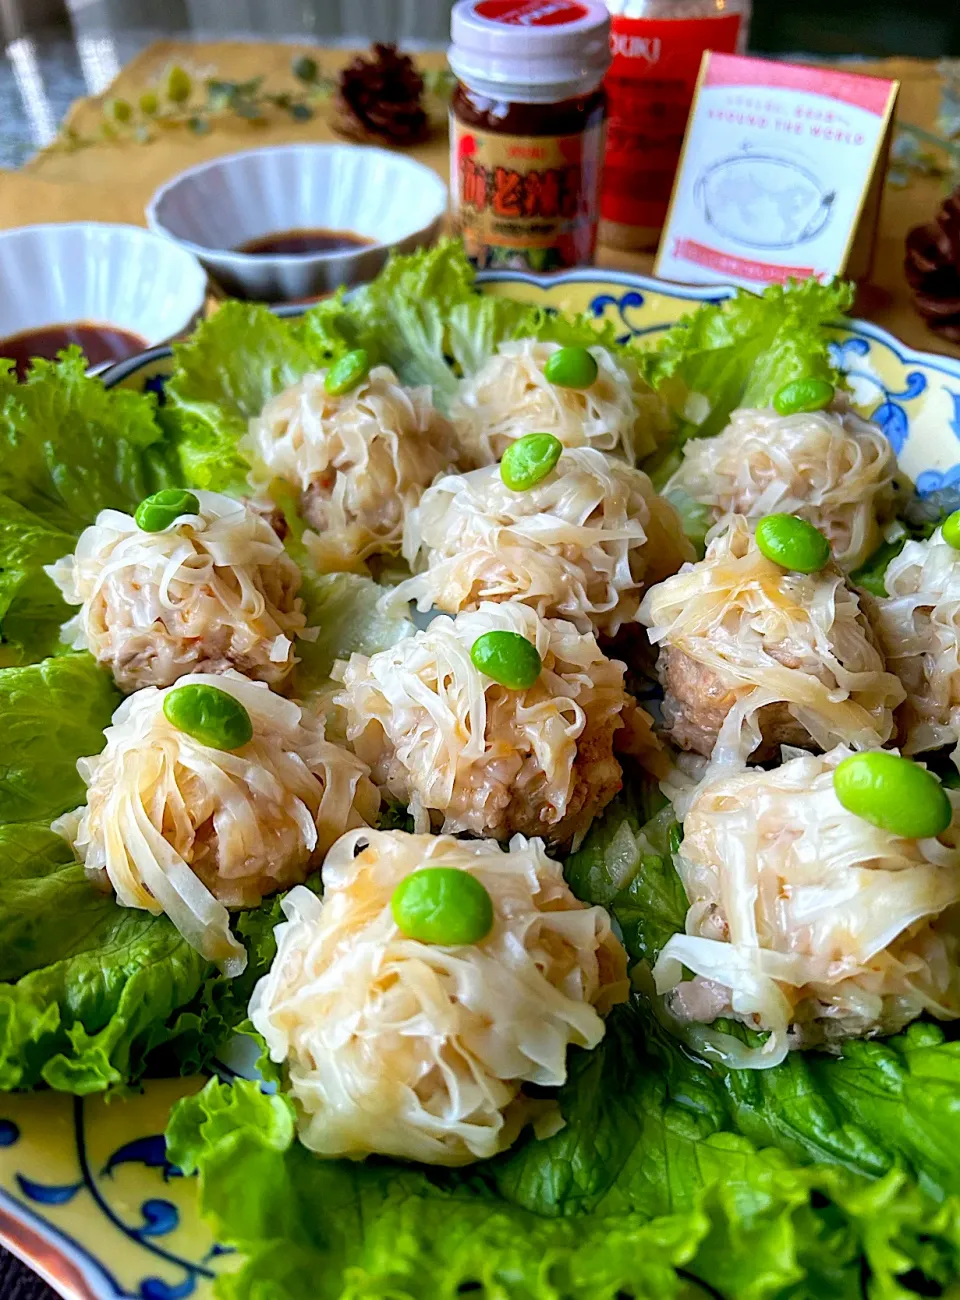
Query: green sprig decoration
{"type": "Point", "coordinates": [918, 152]}
{"type": "Point", "coordinates": [180, 101]}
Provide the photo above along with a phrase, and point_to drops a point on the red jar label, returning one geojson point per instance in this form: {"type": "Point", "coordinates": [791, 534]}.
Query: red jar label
{"type": "Point", "coordinates": [528, 202]}
{"type": "Point", "coordinates": [532, 13]}
{"type": "Point", "coordinates": [650, 88]}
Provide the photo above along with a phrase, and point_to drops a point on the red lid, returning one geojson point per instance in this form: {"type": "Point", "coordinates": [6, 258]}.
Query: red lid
{"type": "Point", "coordinates": [531, 13]}
{"type": "Point", "coordinates": [535, 51]}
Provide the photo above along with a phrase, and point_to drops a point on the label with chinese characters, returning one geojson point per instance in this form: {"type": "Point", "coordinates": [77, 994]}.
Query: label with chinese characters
{"type": "Point", "coordinates": [776, 169]}
{"type": "Point", "coordinates": [528, 202]}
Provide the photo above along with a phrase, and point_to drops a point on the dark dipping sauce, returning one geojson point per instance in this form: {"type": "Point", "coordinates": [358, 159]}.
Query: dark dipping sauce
{"type": "Point", "coordinates": [100, 343]}
{"type": "Point", "coordinates": [287, 242]}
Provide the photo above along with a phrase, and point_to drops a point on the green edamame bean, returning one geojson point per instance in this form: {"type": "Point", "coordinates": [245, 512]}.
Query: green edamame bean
{"type": "Point", "coordinates": [571, 368]}
{"type": "Point", "coordinates": [158, 512]}
{"type": "Point", "coordinates": [347, 373]}
{"type": "Point", "coordinates": [950, 530]}
{"type": "Point", "coordinates": [893, 793]}
{"type": "Point", "coordinates": [212, 716]}
{"type": "Point", "coordinates": [442, 905]}
{"type": "Point", "coordinates": [529, 459]}
{"type": "Point", "coordinates": [792, 543]}
{"type": "Point", "coordinates": [802, 395]}
{"type": "Point", "coordinates": [508, 658]}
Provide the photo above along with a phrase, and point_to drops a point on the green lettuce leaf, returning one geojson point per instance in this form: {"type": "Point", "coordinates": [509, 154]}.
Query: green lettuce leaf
{"type": "Point", "coordinates": [202, 1029]}
{"type": "Point", "coordinates": [879, 1107]}
{"type": "Point", "coordinates": [37, 869]}
{"type": "Point", "coordinates": [625, 863]}
{"type": "Point", "coordinates": [647, 1125]}
{"type": "Point", "coordinates": [424, 316]}
{"type": "Point", "coordinates": [345, 607]}
{"type": "Point", "coordinates": [612, 852]}
{"type": "Point", "coordinates": [645, 1189]}
{"type": "Point", "coordinates": [696, 518]}
{"type": "Point", "coordinates": [70, 447]}
{"type": "Point", "coordinates": [51, 714]}
{"type": "Point", "coordinates": [89, 985]}
{"type": "Point", "coordinates": [395, 816]}
{"type": "Point", "coordinates": [226, 372]}
{"type": "Point", "coordinates": [31, 608]}
{"type": "Point", "coordinates": [89, 990]}
{"type": "Point", "coordinates": [871, 575]}
{"type": "Point", "coordinates": [738, 352]}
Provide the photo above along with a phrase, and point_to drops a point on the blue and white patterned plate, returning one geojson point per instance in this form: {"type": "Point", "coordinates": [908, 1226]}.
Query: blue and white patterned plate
{"type": "Point", "coordinates": [86, 1197]}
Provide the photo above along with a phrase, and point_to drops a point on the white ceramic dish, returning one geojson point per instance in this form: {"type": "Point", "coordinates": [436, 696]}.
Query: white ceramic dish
{"type": "Point", "coordinates": [101, 273]}
{"type": "Point", "coordinates": [217, 206]}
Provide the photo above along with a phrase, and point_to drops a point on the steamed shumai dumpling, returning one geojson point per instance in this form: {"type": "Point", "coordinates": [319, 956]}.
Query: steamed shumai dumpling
{"type": "Point", "coordinates": [510, 396]}
{"type": "Point", "coordinates": [211, 591]}
{"type": "Point", "coordinates": [919, 627]}
{"type": "Point", "coordinates": [359, 460]}
{"type": "Point", "coordinates": [805, 919]}
{"type": "Point", "coordinates": [582, 544]}
{"type": "Point", "coordinates": [173, 825]}
{"type": "Point", "coordinates": [418, 1050]}
{"type": "Point", "coordinates": [469, 754]}
{"type": "Point", "coordinates": [830, 467]}
{"type": "Point", "coordinates": [753, 657]}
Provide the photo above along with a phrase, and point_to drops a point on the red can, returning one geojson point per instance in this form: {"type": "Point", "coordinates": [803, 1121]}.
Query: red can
{"type": "Point", "coordinates": [657, 47]}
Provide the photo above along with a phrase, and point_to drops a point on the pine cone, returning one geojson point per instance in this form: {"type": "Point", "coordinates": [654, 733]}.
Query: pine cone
{"type": "Point", "coordinates": [932, 266]}
{"type": "Point", "coordinates": [379, 99]}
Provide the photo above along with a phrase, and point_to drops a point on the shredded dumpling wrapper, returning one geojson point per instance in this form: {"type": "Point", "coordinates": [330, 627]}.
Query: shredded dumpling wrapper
{"type": "Point", "coordinates": [175, 826]}
{"type": "Point", "coordinates": [582, 544]}
{"type": "Point", "coordinates": [419, 1051]}
{"type": "Point", "coordinates": [359, 460]}
{"type": "Point", "coordinates": [445, 739]}
{"type": "Point", "coordinates": [509, 396]}
{"type": "Point", "coordinates": [830, 467]}
{"type": "Point", "coordinates": [212, 591]}
{"type": "Point", "coordinates": [919, 628]}
{"type": "Point", "coordinates": [751, 654]}
{"type": "Point", "coordinates": [807, 921]}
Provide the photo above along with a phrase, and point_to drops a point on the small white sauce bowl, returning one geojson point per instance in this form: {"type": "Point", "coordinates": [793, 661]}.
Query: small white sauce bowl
{"type": "Point", "coordinates": [100, 273]}
{"type": "Point", "coordinates": [217, 206]}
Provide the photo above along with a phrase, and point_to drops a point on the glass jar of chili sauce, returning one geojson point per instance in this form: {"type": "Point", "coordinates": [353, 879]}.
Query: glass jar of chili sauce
{"type": "Point", "coordinates": [527, 130]}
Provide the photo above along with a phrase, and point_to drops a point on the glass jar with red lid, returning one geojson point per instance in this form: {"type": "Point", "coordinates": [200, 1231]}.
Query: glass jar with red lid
{"type": "Point", "coordinates": [527, 129]}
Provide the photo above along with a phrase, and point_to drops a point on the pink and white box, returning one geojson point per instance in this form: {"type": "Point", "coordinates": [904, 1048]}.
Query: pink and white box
{"type": "Point", "coordinates": [781, 174]}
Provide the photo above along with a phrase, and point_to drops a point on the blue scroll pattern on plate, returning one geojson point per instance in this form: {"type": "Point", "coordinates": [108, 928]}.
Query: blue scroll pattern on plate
{"type": "Point", "coordinates": [158, 1215]}
{"type": "Point", "coordinates": [890, 413]}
